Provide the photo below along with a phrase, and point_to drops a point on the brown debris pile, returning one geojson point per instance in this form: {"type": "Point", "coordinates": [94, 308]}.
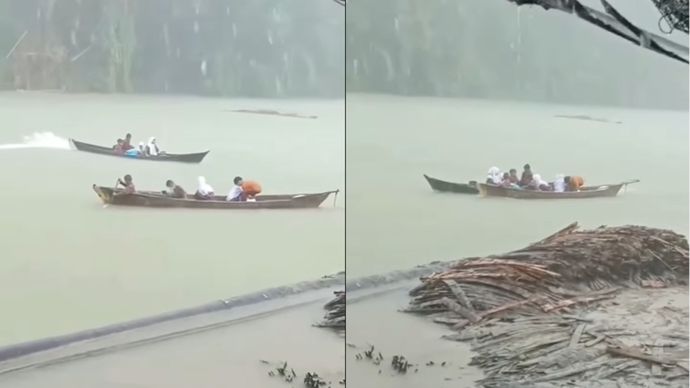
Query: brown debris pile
{"type": "Point", "coordinates": [552, 350]}
{"type": "Point", "coordinates": [335, 316]}
{"type": "Point", "coordinates": [568, 268]}
{"type": "Point", "coordinates": [513, 307]}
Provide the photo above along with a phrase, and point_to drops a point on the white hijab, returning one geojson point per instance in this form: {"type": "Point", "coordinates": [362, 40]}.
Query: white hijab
{"type": "Point", "coordinates": [204, 188]}
{"type": "Point", "coordinates": [559, 183]}
{"type": "Point", "coordinates": [494, 175]}
{"type": "Point", "coordinates": [537, 181]}
{"type": "Point", "coordinates": [153, 148]}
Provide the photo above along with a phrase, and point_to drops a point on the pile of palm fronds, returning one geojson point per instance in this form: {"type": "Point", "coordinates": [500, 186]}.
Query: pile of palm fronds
{"type": "Point", "coordinates": [513, 306]}
{"type": "Point", "coordinates": [565, 269]}
{"type": "Point", "coordinates": [335, 317]}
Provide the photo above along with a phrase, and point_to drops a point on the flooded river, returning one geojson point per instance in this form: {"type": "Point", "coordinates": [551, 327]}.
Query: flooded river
{"type": "Point", "coordinates": [395, 221]}
{"type": "Point", "coordinates": [70, 264]}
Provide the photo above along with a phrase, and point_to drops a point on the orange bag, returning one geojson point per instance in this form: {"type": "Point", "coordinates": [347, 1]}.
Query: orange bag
{"type": "Point", "coordinates": [251, 188]}
{"type": "Point", "coordinates": [576, 182]}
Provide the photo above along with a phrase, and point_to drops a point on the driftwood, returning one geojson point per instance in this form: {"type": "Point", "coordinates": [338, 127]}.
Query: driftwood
{"type": "Point", "coordinates": [527, 312]}
{"type": "Point", "coordinates": [557, 273]}
{"type": "Point", "coordinates": [335, 316]}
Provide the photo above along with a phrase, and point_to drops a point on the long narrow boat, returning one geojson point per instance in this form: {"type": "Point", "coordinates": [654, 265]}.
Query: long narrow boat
{"type": "Point", "coordinates": [585, 192]}
{"type": "Point", "coordinates": [451, 187]}
{"type": "Point", "coordinates": [112, 196]}
{"type": "Point", "coordinates": [182, 158]}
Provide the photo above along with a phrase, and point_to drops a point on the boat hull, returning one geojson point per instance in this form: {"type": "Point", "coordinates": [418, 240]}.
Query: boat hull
{"type": "Point", "coordinates": [451, 187]}
{"type": "Point", "coordinates": [111, 196]}
{"type": "Point", "coordinates": [180, 158]}
{"type": "Point", "coordinates": [586, 192]}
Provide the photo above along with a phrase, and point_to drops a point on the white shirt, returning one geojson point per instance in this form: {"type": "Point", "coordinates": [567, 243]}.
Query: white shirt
{"type": "Point", "coordinates": [234, 193]}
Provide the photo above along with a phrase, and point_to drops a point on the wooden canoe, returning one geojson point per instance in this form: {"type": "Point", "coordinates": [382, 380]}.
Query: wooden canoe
{"type": "Point", "coordinates": [451, 187]}
{"type": "Point", "coordinates": [157, 199]}
{"type": "Point", "coordinates": [586, 192]}
{"type": "Point", "coordinates": [182, 158]}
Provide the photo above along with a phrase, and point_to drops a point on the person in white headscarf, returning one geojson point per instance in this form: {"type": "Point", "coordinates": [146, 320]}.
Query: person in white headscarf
{"type": "Point", "coordinates": [142, 149]}
{"type": "Point", "coordinates": [539, 184]}
{"type": "Point", "coordinates": [152, 148]}
{"type": "Point", "coordinates": [494, 176]}
{"type": "Point", "coordinates": [559, 183]}
{"type": "Point", "coordinates": [204, 191]}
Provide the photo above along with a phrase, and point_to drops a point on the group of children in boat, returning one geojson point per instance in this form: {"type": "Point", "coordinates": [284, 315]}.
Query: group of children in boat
{"type": "Point", "coordinates": [125, 147]}
{"type": "Point", "coordinates": [241, 190]}
{"type": "Point", "coordinates": [531, 181]}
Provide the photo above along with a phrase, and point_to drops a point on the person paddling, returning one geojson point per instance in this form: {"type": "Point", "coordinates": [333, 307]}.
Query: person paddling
{"type": "Point", "coordinates": [127, 184]}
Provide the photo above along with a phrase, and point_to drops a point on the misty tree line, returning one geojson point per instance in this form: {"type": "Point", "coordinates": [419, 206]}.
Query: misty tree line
{"type": "Point", "coordinates": [494, 49]}
{"type": "Point", "coordinates": [257, 48]}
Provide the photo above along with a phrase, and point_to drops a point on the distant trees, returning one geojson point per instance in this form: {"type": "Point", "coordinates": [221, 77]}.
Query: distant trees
{"type": "Point", "coordinates": [263, 48]}
{"type": "Point", "coordinates": [494, 49]}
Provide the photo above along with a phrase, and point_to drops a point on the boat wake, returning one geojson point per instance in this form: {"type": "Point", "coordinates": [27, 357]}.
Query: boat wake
{"type": "Point", "coordinates": [39, 140]}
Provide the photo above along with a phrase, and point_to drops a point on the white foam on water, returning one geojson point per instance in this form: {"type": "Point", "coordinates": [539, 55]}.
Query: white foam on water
{"type": "Point", "coordinates": [39, 140]}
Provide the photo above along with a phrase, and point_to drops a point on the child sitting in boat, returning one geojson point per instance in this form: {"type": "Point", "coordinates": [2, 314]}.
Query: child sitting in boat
{"type": "Point", "coordinates": [152, 148]}
{"type": "Point", "coordinates": [250, 190]}
{"type": "Point", "coordinates": [127, 143]}
{"type": "Point", "coordinates": [494, 176]}
{"type": "Point", "coordinates": [236, 193]}
{"type": "Point", "coordinates": [119, 148]}
{"type": "Point", "coordinates": [508, 182]}
{"type": "Point", "coordinates": [513, 177]}
{"type": "Point", "coordinates": [527, 175]}
{"type": "Point", "coordinates": [574, 183]}
{"type": "Point", "coordinates": [174, 190]}
{"type": "Point", "coordinates": [539, 184]}
{"type": "Point", "coordinates": [559, 183]}
{"type": "Point", "coordinates": [204, 191]}
{"type": "Point", "coordinates": [243, 190]}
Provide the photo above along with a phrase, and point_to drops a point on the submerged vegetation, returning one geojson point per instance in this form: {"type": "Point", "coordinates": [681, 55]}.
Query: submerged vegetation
{"type": "Point", "coordinates": [262, 48]}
